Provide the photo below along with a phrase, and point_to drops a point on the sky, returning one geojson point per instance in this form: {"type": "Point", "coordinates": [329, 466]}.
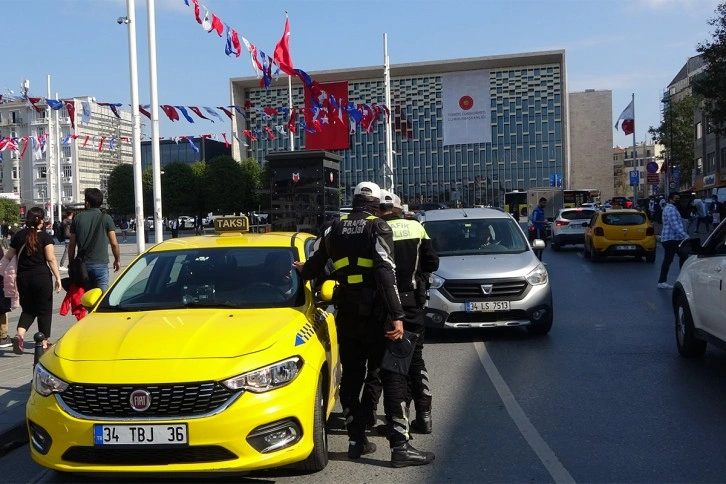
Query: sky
{"type": "Point", "coordinates": [628, 47]}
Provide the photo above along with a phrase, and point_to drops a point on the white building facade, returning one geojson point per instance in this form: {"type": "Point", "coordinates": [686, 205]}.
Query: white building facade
{"type": "Point", "coordinates": [75, 156]}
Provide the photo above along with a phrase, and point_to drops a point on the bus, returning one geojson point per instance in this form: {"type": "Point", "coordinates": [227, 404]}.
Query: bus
{"type": "Point", "coordinates": [575, 198]}
{"type": "Point", "coordinates": [516, 200]}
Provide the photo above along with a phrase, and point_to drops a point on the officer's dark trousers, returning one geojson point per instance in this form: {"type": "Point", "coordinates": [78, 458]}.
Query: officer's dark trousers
{"type": "Point", "coordinates": [361, 344]}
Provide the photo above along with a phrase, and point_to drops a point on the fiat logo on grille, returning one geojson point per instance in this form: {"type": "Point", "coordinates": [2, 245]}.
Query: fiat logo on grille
{"type": "Point", "coordinates": [140, 400]}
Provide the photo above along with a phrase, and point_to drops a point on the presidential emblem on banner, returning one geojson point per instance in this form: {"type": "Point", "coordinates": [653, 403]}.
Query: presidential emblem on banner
{"type": "Point", "coordinates": [296, 177]}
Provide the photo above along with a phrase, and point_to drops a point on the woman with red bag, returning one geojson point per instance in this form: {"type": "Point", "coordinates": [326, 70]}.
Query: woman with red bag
{"type": "Point", "coordinates": [37, 266]}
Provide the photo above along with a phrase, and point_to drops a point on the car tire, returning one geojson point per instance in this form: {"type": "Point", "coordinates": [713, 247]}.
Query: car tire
{"type": "Point", "coordinates": [318, 458]}
{"type": "Point", "coordinates": [688, 345]}
{"type": "Point", "coordinates": [594, 255]}
{"type": "Point", "coordinates": [556, 244]}
{"type": "Point", "coordinates": [541, 328]}
{"type": "Point", "coordinates": [586, 251]}
{"type": "Point", "coordinates": [650, 257]}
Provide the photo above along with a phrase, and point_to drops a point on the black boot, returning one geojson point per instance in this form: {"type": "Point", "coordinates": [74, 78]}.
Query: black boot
{"type": "Point", "coordinates": [405, 455]}
{"type": "Point", "coordinates": [423, 423]}
{"type": "Point", "coordinates": [360, 448]}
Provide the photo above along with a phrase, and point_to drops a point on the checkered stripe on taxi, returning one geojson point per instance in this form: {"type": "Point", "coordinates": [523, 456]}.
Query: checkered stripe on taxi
{"type": "Point", "coordinates": [310, 328]}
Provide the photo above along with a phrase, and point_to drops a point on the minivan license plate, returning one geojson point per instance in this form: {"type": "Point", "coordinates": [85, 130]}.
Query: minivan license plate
{"type": "Point", "coordinates": [487, 306]}
{"type": "Point", "coordinates": [164, 434]}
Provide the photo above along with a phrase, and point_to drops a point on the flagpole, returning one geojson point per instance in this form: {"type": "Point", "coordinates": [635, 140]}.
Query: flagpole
{"type": "Point", "coordinates": [635, 156]}
{"type": "Point", "coordinates": [289, 105]}
{"type": "Point", "coordinates": [155, 150]}
{"type": "Point", "coordinates": [50, 151]}
{"type": "Point", "coordinates": [388, 177]}
{"type": "Point", "coordinates": [136, 130]}
{"type": "Point", "coordinates": [58, 169]}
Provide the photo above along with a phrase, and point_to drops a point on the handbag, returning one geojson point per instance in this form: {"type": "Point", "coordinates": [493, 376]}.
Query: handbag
{"type": "Point", "coordinates": [78, 269]}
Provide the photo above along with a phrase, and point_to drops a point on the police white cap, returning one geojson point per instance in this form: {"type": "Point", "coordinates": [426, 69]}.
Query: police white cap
{"type": "Point", "coordinates": [386, 197]}
{"type": "Point", "coordinates": [369, 189]}
{"type": "Point", "coordinates": [397, 202]}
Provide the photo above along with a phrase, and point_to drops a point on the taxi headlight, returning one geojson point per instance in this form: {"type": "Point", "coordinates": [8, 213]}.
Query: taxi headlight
{"type": "Point", "coordinates": [538, 275]}
{"type": "Point", "coordinates": [267, 378]}
{"type": "Point", "coordinates": [45, 383]}
{"type": "Point", "coordinates": [436, 281]}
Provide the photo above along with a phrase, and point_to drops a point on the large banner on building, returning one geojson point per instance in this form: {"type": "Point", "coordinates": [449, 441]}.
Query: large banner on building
{"type": "Point", "coordinates": [466, 107]}
{"type": "Point", "coordinates": [332, 131]}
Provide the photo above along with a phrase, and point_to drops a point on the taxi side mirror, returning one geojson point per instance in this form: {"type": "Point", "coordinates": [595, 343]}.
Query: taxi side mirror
{"type": "Point", "coordinates": [326, 290]}
{"type": "Point", "coordinates": [90, 298]}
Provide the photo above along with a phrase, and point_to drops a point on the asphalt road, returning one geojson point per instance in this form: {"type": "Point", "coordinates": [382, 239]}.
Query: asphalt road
{"type": "Point", "coordinates": [603, 398]}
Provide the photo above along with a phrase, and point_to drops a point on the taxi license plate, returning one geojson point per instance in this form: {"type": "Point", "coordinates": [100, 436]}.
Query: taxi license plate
{"type": "Point", "coordinates": [625, 247]}
{"type": "Point", "coordinates": [487, 306]}
{"type": "Point", "coordinates": [164, 434]}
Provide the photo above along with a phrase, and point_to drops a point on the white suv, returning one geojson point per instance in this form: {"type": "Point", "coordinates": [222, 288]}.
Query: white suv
{"type": "Point", "coordinates": [488, 275]}
{"type": "Point", "coordinates": [569, 226]}
{"type": "Point", "coordinates": [699, 295]}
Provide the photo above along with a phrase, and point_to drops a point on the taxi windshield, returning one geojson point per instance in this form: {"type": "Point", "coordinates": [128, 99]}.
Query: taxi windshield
{"type": "Point", "coordinates": [237, 277]}
{"type": "Point", "coordinates": [476, 236]}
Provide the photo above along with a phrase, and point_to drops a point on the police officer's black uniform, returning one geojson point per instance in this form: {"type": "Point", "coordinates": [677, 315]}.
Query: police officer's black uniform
{"type": "Point", "coordinates": [415, 260]}
{"type": "Point", "coordinates": [360, 247]}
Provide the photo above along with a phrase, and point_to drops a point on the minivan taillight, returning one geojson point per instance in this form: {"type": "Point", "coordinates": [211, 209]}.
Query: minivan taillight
{"type": "Point", "coordinates": [599, 231]}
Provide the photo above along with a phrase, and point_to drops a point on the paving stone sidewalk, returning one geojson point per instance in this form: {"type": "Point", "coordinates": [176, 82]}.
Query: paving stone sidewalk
{"type": "Point", "coordinates": [16, 370]}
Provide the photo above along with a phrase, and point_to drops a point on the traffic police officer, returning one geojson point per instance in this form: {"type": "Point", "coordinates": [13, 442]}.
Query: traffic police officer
{"type": "Point", "coordinates": [360, 246]}
{"type": "Point", "coordinates": [415, 260]}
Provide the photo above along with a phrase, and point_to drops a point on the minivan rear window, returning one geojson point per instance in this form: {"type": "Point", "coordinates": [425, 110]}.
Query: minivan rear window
{"type": "Point", "coordinates": [578, 214]}
{"type": "Point", "coordinates": [623, 218]}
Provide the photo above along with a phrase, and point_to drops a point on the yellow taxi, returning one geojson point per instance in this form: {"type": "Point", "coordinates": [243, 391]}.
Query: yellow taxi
{"type": "Point", "coordinates": [620, 232]}
{"type": "Point", "coordinates": [207, 353]}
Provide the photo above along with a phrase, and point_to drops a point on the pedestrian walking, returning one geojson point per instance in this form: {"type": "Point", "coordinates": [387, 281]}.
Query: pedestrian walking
{"type": "Point", "coordinates": [198, 225]}
{"type": "Point", "coordinates": [672, 235]}
{"type": "Point", "coordinates": [147, 229]}
{"type": "Point", "coordinates": [90, 231]}
{"type": "Point", "coordinates": [124, 226]}
{"type": "Point", "coordinates": [539, 221]}
{"type": "Point", "coordinates": [37, 269]}
{"type": "Point", "coordinates": [174, 227]}
{"type": "Point", "coordinates": [5, 233]}
{"type": "Point", "coordinates": [5, 307]}
{"type": "Point", "coordinates": [65, 236]}
{"type": "Point", "coordinates": [361, 248]}
{"type": "Point", "coordinates": [717, 212]}
{"type": "Point", "coordinates": [415, 260]}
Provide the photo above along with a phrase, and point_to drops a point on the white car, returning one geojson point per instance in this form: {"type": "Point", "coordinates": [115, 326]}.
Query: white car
{"type": "Point", "coordinates": [569, 226]}
{"type": "Point", "coordinates": [699, 295]}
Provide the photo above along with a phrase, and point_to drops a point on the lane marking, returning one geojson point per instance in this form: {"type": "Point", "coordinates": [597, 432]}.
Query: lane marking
{"type": "Point", "coordinates": [586, 268]}
{"type": "Point", "coordinates": [529, 432]}
{"type": "Point", "coordinates": [650, 304]}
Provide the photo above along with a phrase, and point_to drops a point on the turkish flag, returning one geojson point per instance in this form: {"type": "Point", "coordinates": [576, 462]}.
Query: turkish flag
{"type": "Point", "coordinates": [334, 134]}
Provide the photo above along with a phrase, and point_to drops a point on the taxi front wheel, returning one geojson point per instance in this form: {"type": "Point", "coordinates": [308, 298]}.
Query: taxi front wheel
{"type": "Point", "coordinates": [318, 458]}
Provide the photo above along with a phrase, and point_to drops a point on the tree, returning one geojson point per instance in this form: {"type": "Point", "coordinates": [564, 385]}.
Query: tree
{"type": "Point", "coordinates": [178, 189]}
{"type": "Point", "coordinates": [676, 134]}
{"type": "Point", "coordinates": [9, 211]}
{"type": "Point", "coordinates": [120, 198]}
{"type": "Point", "coordinates": [201, 191]}
{"type": "Point", "coordinates": [710, 84]}
{"type": "Point", "coordinates": [224, 180]}
{"type": "Point", "coordinates": [251, 184]}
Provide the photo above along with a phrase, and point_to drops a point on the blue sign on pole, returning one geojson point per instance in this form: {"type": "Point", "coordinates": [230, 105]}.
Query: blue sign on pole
{"type": "Point", "coordinates": [555, 180]}
{"type": "Point", "coordinates": [634, 178]}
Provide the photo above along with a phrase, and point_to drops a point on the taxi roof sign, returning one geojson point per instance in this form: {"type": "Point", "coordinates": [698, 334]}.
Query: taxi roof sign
{"type": "Point", "coordinates": [234, 224]}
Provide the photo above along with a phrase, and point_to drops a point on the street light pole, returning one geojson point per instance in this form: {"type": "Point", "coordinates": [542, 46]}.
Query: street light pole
{"type": "Point", "coordinates": [135, 127]}
{"type": "Point", "coordinates": [155, 152]}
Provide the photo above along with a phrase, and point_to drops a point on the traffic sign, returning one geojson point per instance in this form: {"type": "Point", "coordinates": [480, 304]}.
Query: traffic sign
{"type": "Point", "coordinates": [672, 185]}
{"type": "Point", "coordinates": [652, 178]}
{"type": "Point", "coordinates": [651, 167]}
{"type": "Point", "coordinates": [634, 178]}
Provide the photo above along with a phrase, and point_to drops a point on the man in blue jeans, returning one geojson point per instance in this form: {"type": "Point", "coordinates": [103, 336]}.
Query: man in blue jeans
{"type": "Point", "coordinates": [539, 221]}
{"type": "Point", "coordinates": [90, 230]}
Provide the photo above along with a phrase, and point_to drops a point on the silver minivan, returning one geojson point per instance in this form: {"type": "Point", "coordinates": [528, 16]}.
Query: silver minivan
{"type": "Point", "coordinates": [489, 275]}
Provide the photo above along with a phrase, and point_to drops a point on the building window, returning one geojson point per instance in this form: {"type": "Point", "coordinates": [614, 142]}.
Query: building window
{"type": "Point", "coordinates": [710, 163]}
{"type": "Point", "coordinates": [42, 172]}
{"type": "Point", "coordinates": [699, 130]}
{"type": "Point", "coordinates": [699, 166]}
{"type": "Point", "coordinates": [15, 173]}
{"type": "Point", "coordinates": [67, 171]}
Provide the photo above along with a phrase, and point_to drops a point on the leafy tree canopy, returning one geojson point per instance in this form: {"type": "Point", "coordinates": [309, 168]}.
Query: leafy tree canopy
{"type": "Point", "coordinates": [676, 134]}
{"type": "Point", "coordinates": [9, 211]}
{"type": "Point", "coordinates": [710, 84]}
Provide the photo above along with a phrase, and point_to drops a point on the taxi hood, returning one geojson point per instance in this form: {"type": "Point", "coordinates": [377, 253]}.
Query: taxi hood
{"type": "Point", "coordinates": [177, 334]}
